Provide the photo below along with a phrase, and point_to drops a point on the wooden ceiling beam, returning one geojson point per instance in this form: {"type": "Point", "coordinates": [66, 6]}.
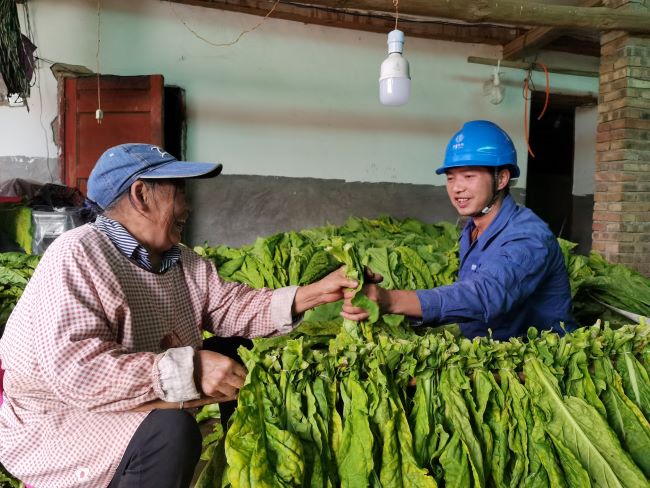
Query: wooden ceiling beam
{"type": "Point", "coordinates": [535, 38]}
{"type": "Point", "coordinates": [510, 12]}
{"type": "Point", "coordinates": [534, 66]}
{"type": "Point", "coordinates": [381, 22]}
{"type": "Point", "coordinates": [538, 37]}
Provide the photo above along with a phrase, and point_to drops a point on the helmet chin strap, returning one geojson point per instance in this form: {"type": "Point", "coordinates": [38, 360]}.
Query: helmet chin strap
{"type": "Point", "coordinates": [495, 195]}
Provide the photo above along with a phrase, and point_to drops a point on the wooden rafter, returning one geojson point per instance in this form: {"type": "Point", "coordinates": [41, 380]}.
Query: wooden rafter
{"type": "Point", "coordinates": [533, 66]}
{"type": "Point", "coordinates": [365, 21]}
{"type": "Point", "coordinates": [538, 37]}
{"type": "Point", "coordinates": [509, 12]}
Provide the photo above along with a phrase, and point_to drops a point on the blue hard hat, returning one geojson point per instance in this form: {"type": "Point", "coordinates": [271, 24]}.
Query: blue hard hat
{"type": "Point", "coordinates": [480, 143]}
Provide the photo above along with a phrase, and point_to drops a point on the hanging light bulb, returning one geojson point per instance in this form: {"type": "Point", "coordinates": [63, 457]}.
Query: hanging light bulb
{"type": "Point", "coordinates": [394, 76]}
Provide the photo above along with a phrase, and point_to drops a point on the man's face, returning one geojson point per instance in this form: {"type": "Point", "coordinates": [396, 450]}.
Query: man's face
{"type": "Point", "coordinates": [469, 188]}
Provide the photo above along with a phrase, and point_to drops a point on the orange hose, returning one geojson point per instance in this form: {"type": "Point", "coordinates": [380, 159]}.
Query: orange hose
{"type": "Point", "coordinates": [547, 91]}
{"type": "Point", "coordinates": [530, 151]}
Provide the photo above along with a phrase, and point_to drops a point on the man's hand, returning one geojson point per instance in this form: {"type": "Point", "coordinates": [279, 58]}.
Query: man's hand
{"type": "Point", "coordinates": [372, 291]}
{"type": "Point", "coordinates": [326, 290]}
{"type": "Point", "coordinates": [404, 302]}
{"type": "Point", "coordinates": [217, 375]}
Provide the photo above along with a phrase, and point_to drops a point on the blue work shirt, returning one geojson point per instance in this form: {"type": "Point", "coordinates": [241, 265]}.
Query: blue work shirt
{"type": "Point", "coordinates": [511, 278]}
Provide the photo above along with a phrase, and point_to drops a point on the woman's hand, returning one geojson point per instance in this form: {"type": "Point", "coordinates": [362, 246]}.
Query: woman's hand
{"type": "Point", "coordinates": [326, 290]}
{"type": "Point", "coordinates": [217, 375]}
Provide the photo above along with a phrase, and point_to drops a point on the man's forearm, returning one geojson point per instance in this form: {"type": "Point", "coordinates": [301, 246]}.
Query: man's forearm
{"type": "Point", "coordinates": [403, 302]}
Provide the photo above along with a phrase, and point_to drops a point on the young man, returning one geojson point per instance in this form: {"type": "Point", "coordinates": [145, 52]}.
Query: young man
{"type": "Point", "coordinates": [512, 274]}
{"type": "Point", "coordinates": [104, 350]}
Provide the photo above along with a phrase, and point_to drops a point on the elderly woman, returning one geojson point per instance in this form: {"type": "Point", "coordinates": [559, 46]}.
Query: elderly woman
{"type": "Point", "coordinates": [104, 350]}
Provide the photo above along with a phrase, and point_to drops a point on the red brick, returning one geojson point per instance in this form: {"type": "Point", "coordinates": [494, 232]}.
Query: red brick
{"type": "Point", "coordinates": [616, 227]}
{"type": "Point", "coordinates": [607, 216]}
{"type": "Point", "coordinates": [598, 246]}
{"type": "Point", "coordinates": [598, 226]}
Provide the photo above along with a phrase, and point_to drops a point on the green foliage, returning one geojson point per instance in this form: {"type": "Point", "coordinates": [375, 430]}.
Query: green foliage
{"type": "Point", "coordinates": [378, 403]}
{"type": "Point", "coordinates": [15, 270]}
{"type": "Point", "coordinates": [468, 418]}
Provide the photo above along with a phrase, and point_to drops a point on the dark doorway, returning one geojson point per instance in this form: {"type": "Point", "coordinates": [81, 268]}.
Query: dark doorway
{"type": "Point", "coordinates": [174, 124]}
{"type": "Point", "coordinates": [549, 182]}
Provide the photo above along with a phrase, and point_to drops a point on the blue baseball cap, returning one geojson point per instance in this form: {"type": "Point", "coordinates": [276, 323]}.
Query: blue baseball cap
{"type": "Point", "coordinates": [120, 166]}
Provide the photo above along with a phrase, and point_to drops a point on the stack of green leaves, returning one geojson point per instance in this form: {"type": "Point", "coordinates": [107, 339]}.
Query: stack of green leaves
{"type": "Point", "coordinates": [337, 403]}
{"type": "Point", "coordinates": [326, 407]}
{"type": "Point", "coordinates": [409, 254]}
{"type": "Point", "coordinates": [597, 284]}
{"type": "Point", "coordinates": [15, 270]}
{"type": "Point", "coordinates": [16, 225]}
{"type": "Point", "coordinates": [375, 404]}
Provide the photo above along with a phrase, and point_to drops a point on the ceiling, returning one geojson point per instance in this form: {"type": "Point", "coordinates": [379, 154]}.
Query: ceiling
{"type": "Point", "coordinates": [522, 27]}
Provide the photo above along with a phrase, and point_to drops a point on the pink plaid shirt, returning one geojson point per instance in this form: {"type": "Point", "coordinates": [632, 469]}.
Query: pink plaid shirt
{"type": "Point", "coordinates": [88, 341]}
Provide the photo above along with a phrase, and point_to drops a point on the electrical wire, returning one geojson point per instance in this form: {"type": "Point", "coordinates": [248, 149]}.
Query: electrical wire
{"type": "Point", "coordinates": [225, 44]}
{"type": "Point", "coordinates": [27, 22]}
{"type": "Point", "coordinates": [396, 4]}
{"type": "Point", "coordinates": [99, 114]}
{"type": "Point", "coordinates": [547, 90]}
{"type": "Point", "coordinates": [526, 100]}
{"type": "Point", "coordinates": [528, 82]}
{"type": "Point", "coordinates": [382, 16]}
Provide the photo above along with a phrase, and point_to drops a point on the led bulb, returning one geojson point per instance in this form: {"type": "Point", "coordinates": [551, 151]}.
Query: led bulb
{"type": "Point", "coordinates": [394, 75]}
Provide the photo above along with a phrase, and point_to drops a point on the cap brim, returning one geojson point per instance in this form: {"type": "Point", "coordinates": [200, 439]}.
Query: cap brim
{"type": "Point", "coordinates": [183, 169]}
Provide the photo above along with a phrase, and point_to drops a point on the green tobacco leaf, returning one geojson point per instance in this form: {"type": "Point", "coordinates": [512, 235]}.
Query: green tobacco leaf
{"type": "Point", "coordinates": [635, 381]}
{"type": "Point", "coordinates": [361, 300]}
{"type": "Point", "coordinates": [581, 429]}
{"type": "Point", "coordinates": [623, 415]}
{"type": "Point", "coordinates": [355, 452]}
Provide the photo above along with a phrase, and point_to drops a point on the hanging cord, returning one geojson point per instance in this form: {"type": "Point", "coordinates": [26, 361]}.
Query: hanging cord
{"type": "Point", "coordinates": [396, 5]}
{"type": "Point", "coordinates": [528, 82]}
{"type": "Point", "coordinates": [99, 113]}
{"type": "Point", "coordinates": [526, 100]}
{"type": "Point", "coordinates": [226, 44]}
{"type": "Point", "coordinates": [547, 90]}
{"type": "Point", "coordinates": [27, 22]}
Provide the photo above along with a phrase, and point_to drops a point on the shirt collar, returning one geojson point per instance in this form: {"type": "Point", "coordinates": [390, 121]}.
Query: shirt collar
{"type": "Point", "coordinates": [508, 207]}
{"type": "Point", "coordinates": [129, 247]}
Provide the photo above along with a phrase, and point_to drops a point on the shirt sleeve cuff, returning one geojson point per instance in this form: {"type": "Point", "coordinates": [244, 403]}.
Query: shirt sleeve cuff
{"type": "Point", "coordinates": [431, 305]}
{"type": "Point", "coordinates": [281, 306]}
{"type": "Point", "coordinates": [176, 375]}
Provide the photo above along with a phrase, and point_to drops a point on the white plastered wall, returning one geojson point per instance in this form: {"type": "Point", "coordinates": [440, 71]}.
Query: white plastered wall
{"type": "Point", "coordinates": [584, 150]}
{"type": "Point", "coordinates": [288, 99]}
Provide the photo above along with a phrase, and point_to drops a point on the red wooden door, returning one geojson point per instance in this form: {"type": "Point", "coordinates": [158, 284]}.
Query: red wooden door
{"type": "Point", "coordinates": [133, 112]}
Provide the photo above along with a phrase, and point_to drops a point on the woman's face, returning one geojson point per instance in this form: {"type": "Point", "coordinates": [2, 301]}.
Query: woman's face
{"type": "Point", "coordinates": [169, 213]}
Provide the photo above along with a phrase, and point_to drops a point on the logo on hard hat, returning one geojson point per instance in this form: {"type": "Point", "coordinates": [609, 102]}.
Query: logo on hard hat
{"type": "Point", "coordinates": [458, 142]}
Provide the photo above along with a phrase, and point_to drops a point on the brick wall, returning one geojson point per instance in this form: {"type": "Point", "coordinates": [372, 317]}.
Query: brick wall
{"type": "Point", "coordinates": [621, 220]}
